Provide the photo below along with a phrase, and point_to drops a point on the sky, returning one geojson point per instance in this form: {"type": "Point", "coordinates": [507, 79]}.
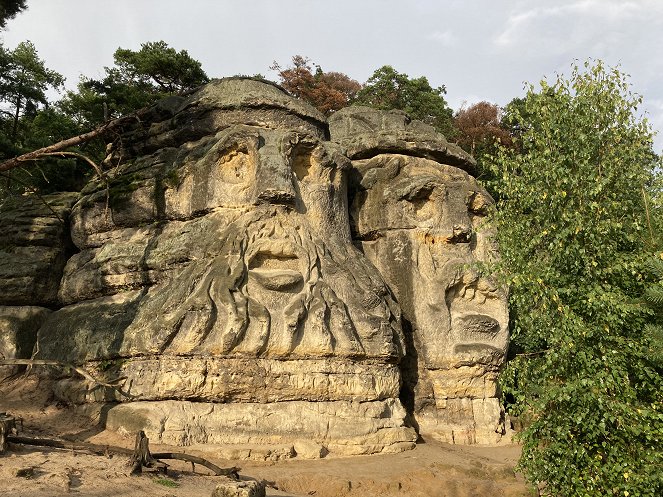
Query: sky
{"type": "Point", "coordinates": [478, 49]}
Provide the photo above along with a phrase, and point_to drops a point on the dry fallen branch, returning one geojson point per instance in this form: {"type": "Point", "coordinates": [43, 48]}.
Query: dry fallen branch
{"type": "Point", "coordinates": [100, 450]}
{"type": "Point", "coordinates": [61, 146]}
{"type": "Point", "coordinates": [229, 472]}
{"type": "Point", "coordinates": [106, 450]}
{"type": "Point", "coordinates": [44, 362]}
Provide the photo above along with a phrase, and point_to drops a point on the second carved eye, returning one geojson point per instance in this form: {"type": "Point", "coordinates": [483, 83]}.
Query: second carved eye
{"type": "Point", "coordinates": [235, 165]}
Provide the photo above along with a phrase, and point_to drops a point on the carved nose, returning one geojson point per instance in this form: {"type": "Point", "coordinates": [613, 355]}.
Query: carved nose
{"type": "Point", "coordinates": [277, 196]}
{"type": "Point", "coordinates": [275, 182]}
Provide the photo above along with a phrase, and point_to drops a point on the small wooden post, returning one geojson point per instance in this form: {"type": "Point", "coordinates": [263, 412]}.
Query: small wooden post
{"type": "Point", "coordinates": [7, 428]}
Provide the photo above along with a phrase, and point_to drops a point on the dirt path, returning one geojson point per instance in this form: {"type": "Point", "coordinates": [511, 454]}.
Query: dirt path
{"type": "Point", "coordinates": [433, 469]}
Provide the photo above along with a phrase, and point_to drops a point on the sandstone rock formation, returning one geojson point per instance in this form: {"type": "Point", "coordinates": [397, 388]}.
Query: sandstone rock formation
{"type": "Point", "coordinates": [34, 248]}
{"type": "Point", "coordinates": [217, 273]}
{"type": "Point", "coordinates": [417, 215]}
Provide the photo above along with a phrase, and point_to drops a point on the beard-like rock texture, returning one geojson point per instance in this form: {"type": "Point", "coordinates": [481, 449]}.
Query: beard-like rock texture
{"type": "Point", "coordinates": [254, 282]}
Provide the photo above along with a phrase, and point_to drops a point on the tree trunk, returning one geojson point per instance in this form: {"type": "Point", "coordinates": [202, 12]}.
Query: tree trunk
{"type": "Point", "coordinates": [17, 114]}
{"type": "Point", "coordinates": [7, 427]}
{"type": "Point", "coordinates": [105, 128]}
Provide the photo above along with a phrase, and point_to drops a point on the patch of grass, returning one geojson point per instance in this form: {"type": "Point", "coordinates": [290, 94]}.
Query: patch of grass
{"type": "Point", "coordinates": [166, 482]}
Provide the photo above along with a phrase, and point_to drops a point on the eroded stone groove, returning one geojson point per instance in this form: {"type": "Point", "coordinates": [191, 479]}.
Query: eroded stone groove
{"type": "Point", "coordinates": [246, 301]}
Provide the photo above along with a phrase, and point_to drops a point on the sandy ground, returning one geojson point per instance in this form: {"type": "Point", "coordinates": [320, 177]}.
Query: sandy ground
{"type": "Point", "coordinates": [433, 469]}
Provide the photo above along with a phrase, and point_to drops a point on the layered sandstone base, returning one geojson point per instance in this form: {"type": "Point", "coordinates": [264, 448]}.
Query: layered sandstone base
{"type": "Point", "coordinates": [340, 428]}
{"type": "Point", "coordinates": [222, 380]}
{"type": "Point", "coordinates": [465, 421]}
{"type": "Point", "coordinates": [279, 407]}
{"type": "Point", "coordinates": [463, 406]}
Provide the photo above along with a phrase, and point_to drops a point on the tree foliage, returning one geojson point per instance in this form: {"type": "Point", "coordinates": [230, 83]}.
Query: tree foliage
{"type": "Point", "coordinates": [572, 233]}
{"type": "Point", "coordinates": [654, 299]}
{"type": "Point", "coordinates": [9, 9]}
{"type": "Point", "coordinates": [137, 79]}
{"type": "Point", "coordinates": [388, 89]}
{"type": "Point", "coordinates": [480, 128]}
{"type": "Point", "coordinates": [26, 119]}
{"type": "Point", "coordinates": [326, 91]}
{"type": "Point", "coordinates": [24, 80]}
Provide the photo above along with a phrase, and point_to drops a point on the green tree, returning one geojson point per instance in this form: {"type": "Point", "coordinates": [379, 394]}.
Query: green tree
{"type": "Point", "coordinates": [388, 89]}
{"type": "Point", "coordinates": [573, 235]}
{"type": "Point", "coordinates": [24, 80]}
{"type": "Point", "coordinates": [9, 9]}
{"type": "Point", "coordinates": [326, 91]}
{"type": "Point", "coordinates": [137, 79]}
{"type": "Point", "coordinates": [654, 298]}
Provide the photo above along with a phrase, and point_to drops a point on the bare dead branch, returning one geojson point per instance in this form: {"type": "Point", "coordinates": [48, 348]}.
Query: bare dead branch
{"type": "Point", "coordinates": [45, 362]}
{"type": "Point", "coordinates": [84, 158]}
{"type": "Point", "coordinates": [100, 450]}
{"type": "Point", "coordinates": [105, 450]}
{"type": "Point", "coordinates": [60, 146]}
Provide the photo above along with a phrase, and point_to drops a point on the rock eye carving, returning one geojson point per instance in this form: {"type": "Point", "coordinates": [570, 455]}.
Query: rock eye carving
{"type": "Point", "coordinates": [235, 165]}
{"type": "Point", "coordinates": [302, 160]}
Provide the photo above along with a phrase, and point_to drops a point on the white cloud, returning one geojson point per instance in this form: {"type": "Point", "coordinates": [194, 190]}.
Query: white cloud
{"type": "Point", "coordinates": [445, 38]}
{"type": "Point", "coordinates": [561, 27]}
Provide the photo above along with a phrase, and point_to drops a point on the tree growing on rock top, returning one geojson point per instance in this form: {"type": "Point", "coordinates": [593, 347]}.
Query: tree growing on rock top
{"type": "Point", "coordinates": [480, 128]}
{"type": "Point", "coordinates": [388, 89]}
{"type": "Point", "coordinates": [137, 79]}
{"type": "Point", "coordinates": [326, 91]}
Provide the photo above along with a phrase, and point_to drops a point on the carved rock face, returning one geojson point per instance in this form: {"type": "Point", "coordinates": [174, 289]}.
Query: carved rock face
{"type": "Point", "coordinates": [419, 220]}
{"type": "Point", "coordinates": [223, 273]}
{"type": "Point", "coordinates": [222, 270]}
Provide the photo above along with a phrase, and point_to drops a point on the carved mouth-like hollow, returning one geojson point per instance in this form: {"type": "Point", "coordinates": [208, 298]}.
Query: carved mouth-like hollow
{"type": "Point", "coordinates": [275, 266]}
{"type": "Point", "coordinates": [276, 279]}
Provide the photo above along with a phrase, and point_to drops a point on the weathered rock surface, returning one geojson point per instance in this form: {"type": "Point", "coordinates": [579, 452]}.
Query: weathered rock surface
{"type": "Point", "coordinates": [246, 275]}
{"type": "Point", "coordinates": [222, 276]}
{"type": "Point", "coordinates": [417, 215]}
{"type": "Point", "coordinates": [240, 489]}
{"type": "Point", "coordinates": [18, 333]}
{"type": "Point", "coordinates": [341, 427]}
{"type": "Point", "coordinates": [34, 248]}
{"type": "Point", "coordinates": [365, 132]}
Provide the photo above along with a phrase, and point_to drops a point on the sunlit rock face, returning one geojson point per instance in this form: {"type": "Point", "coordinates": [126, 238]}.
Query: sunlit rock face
{"type": "Point", "coordinates": [217, 271]}
{"type": "Point", "coordinates": [259, 275]}
{"type": "Point", "coordinates": [418, 216]}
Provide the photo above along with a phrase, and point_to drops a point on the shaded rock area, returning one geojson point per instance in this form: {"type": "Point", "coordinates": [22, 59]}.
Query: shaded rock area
{"type": "Point", "coordinates": [261, 276]}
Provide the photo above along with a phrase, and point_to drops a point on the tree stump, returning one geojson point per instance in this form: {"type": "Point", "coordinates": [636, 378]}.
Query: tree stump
{"type": "Point", "coordinates": [142, 456]}
{"type": "Point", "coordinates": [7, 428]}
